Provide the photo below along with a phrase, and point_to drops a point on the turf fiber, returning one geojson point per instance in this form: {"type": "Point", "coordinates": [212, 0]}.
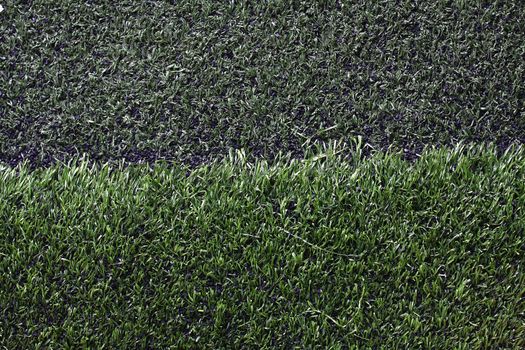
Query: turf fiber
{"type": "Point", "coordinates": [250, 227]}
{"type": "Point", "coordinates": [187, 80]}
{"type": "Point", "coordinates": [323, 252]}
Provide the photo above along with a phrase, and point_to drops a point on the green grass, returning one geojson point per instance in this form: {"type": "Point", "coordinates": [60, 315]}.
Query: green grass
{"type": "Point", "coordinates": [325, 252]}
{"type": "Point", "coordinates": [186, 80]}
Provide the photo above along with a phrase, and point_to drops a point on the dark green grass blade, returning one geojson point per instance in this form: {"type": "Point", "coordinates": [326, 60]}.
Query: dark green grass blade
{"type": "Point", "coordinates": [187, 80]}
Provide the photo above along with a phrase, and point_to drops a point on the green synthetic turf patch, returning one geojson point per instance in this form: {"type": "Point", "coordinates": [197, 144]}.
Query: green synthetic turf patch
{"type": "Point", "coordinates": [188, 79]}
{"type": "Point", "coordinates": [366, 253]}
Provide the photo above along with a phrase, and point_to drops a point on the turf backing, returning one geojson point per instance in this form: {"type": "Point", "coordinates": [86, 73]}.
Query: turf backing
{"type": "Point", "coordinates": [186, 80]}
{"type": "Point", "coordinates": [368, 253]}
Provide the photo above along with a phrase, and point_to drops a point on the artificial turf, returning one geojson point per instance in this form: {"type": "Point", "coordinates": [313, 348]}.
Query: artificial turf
{"type": "Point", "coordinates": [347, 247]}
{"type": "Point", "coordinates": [187, 80]}
{"type": "Point", "coordinates": [323, 252]}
